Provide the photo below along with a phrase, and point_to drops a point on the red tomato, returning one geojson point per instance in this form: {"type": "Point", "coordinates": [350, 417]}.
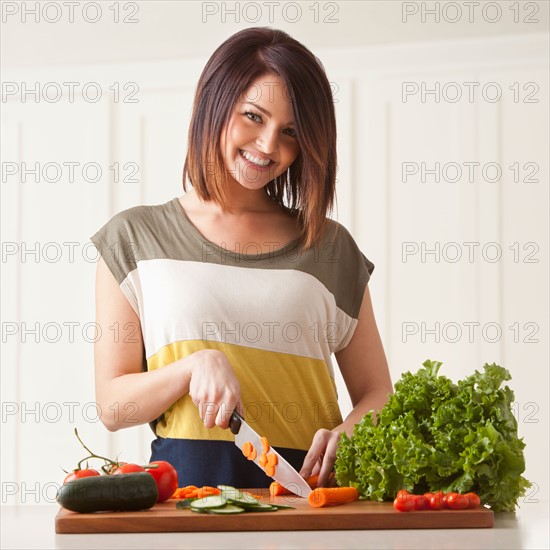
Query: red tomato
{"type": "Point", "coordinates": [428, 496]}
{"type": "Point", "coordinates": [402, 492]}
{"type": "Point", "coordinates": [420, 502]}
{"type": "Point", "coordinates": [456, 501]}
{"type": "Point", "coordinates": [77, 474]}
{"type": "Point", "coordinates": [403, 503]}
{"type": "Point", "coordinates": [129, 469]}
{"type": "Point", "coordinates": [436, 501]}
{"type": "Point", "coordinates": [473, 500]}
{"type": "Point", "coordinates": [166, 478]}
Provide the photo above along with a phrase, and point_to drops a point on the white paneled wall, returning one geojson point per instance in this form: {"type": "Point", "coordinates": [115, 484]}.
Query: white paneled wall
{"type": "Point", "coordinates": [377, 133]}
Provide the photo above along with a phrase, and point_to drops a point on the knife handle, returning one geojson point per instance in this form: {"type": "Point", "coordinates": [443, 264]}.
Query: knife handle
{"type": "Point", "coordinates": [235, 422]}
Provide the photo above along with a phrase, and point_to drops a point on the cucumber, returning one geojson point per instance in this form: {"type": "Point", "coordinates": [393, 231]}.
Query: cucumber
{"type": "Point", "coordinates": [185, 503]}
{"type": "Point", "coordinates": [234, 496]}
{"type": "Point", "coordinates": [120, 492]}
{"type": "Point", "coordinates": [260, 507]}
{"type": "Point", "coordinates": [227, 509]}
{"type": "Point", "coordinates": [212, 501]}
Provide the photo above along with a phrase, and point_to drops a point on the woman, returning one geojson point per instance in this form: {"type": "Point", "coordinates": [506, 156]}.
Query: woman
{"type": "Point", "coordinates": [228, 298]}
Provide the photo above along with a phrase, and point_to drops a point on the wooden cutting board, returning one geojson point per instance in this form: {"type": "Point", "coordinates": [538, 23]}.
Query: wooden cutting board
{"type": "Point", "coordinates": [361, 514]}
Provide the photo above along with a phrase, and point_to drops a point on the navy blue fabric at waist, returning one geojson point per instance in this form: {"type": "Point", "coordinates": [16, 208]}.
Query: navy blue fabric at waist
{"type": "Point", "coordinates": [206, 462]}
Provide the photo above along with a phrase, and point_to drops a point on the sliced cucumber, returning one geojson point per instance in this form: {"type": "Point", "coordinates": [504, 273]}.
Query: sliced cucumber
{"type": "Point", "coordinates": [185, 503]}
{"type": "Point", "coordinates": [227, 488]}
{"type": "Point", "coordinates": [212, 501]}
{"type": "Point", "coordinates": [262, 508]}
{"type": "Point", "coordinates": [239, 498]}
{"type": "Point", "coordinates": [283, 507]}
{"type": "Point", "coordinates": [227, 509]}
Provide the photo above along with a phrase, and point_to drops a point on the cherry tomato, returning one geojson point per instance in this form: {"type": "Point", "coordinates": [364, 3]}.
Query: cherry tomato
{"type": "Point", "coordinates": [428, 497]}
{"type": "Point", "coordinates": [402, 492]}
{"type": "Point", "coordinates": [473, 500]}
{"type": "Point", "coordinates": [436, 501]}
{"type": "Point", "coordinates": [456, 501]}
{"type": "Point", "coordinates": [420, 502]}
{"type": "Point", "coordinates": [77, 474]}
{"type": "Point", "coordinates": [166, 478]}
{"type": "Point", "coordinates": [445, 497]}
{"type": "Point", "coordinates": [128, 468]}
{"type": "Point", "coordinates": [403, 503]}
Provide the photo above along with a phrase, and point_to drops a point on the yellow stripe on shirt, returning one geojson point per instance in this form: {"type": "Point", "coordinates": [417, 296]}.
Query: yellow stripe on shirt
{"type": "Point", "coordinates": [286, 397]}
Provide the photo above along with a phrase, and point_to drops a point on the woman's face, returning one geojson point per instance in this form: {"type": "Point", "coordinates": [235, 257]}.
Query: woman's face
{"type": "Point", "coordinates": [261, 142]}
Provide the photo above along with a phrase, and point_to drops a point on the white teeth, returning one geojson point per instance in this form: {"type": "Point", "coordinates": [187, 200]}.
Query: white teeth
{"type": "Point", "coordinates": [254, 159]}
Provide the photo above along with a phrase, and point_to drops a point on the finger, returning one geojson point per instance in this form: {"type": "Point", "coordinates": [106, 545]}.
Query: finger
{"type": "Point", "coordinates": [316, 468]}
{"type": "Point", "coordinates": [224, 413]}
{"type": "Point", "coordinates": [312, 455]}
{"type": "Point", "coordinates": [210, 409]}
{"type": "Point", "coordinates": [328, 462]}
{"type": "Point", "coordinates": [240, 407]}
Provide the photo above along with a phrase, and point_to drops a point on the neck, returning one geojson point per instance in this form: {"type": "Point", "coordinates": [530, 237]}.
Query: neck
{"type": "Point", "coordinates": [242, 201]}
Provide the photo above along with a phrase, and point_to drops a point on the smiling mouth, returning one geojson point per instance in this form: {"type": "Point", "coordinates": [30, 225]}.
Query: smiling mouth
{"type": "Point", "coordinates": [259, 163]}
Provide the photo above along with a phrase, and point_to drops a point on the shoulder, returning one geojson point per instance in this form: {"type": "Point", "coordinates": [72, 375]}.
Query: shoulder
{"type": "Point", "coordinates": [131, 219]}
{"type": "Point", "coordinates": [338, 240]}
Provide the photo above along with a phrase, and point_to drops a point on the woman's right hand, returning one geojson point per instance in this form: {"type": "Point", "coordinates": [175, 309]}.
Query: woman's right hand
{"type": "Point", "coordinates": [214, 388]}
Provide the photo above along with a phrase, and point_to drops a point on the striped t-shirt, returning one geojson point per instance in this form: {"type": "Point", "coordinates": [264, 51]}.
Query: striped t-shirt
{"type": "Point", "coordinates": [277, 316]}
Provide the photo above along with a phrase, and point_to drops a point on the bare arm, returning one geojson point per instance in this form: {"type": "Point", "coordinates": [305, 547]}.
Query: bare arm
{"type": "Point", "coordinates": [365, 370]}
{"type": "Point", "coordinates": [127, 396]}
{"type": "Point", "coordinates": [364, 367]}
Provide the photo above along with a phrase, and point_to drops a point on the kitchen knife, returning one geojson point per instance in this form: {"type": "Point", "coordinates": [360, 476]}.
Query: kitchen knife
{"type": "Point", "coordinates": [285, 474]}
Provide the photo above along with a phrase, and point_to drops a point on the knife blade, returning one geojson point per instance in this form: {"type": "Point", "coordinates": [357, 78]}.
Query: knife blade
{"type": "Point", "coordinates": [285, 474]}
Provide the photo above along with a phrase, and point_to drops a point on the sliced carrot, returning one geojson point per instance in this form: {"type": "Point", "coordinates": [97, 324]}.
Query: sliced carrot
{"type": "Point", "coordinates": [270, 470]}
{"type": "Point", "coordinates": [207, 491]}
{"type": "Point", "coordinates": [185, 492]}
{"type": "Point", "coordinates": [262, 461]}
{"type": "Point", "coordinates": [247, 448]}
{"type": "Point", "coordinates": [272, 459]}
{"type": "Point", "coordinates": [253, 454]}
{"type": "Point", "coordinates": [265, 445]}
{"type": "Point", "coordinates": [259, 497]}
{"type": "Point", "coordinates": [332, 496]}
{"type": "Point", "coordinates": [276, 489]}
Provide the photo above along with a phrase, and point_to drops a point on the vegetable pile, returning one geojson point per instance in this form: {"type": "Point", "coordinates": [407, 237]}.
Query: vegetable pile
{"type": "Point", "coordinates": [405, 501]}
{"type": "Point", "coordinates": [267, 461]}
{"type": "Point", "coordinates": [122, 486]}
{"type": "Point", "coordinates": [229, 501]}
{"type": "Point", "coordinates": [435, 435]}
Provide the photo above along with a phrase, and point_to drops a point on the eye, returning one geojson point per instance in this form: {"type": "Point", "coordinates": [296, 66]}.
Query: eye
{"type": "Point", "coordinates": [292, 132]}
{"type": "Point", "coordinates": [252, 115]}
{"type": "Point", "coordinates": [258, 118]}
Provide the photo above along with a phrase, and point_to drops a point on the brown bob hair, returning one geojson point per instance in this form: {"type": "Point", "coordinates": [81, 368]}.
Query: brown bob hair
{"type": "Point", "coordinates": [244, 57]}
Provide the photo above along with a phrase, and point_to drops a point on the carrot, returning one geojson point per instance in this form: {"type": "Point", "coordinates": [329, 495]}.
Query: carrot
{"type": "Point", "coordinates": [276, 489]}
{"type": "Point", "coordinates": [247, 448]}
{"type": "Point", "coordinates": [253, 454]}
{"type": "Point", "coordinates": [185, 492]}
{"type": "Point", "coordinates": [265, 445]}
{"type": "Point", "coordinates": [262, 461]}
{"type": "Point", "coordinates": [272, 459]}
{"type": "Point", "coordinates": [332, 496]}
{"type": "Point", "coordinates": [207, 491]}
{"type": "Point", "coordinates": [270, 470]}
{"type": "Point", "coordinates": [259, 497]}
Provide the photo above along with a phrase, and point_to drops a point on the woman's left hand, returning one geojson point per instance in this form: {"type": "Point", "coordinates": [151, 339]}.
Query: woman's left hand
{"type": "Point", "coordinates": [321, 455]}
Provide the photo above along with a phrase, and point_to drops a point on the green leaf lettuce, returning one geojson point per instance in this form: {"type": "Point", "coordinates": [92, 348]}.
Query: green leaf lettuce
{"type": "Point", "coordinates": [434, 435]}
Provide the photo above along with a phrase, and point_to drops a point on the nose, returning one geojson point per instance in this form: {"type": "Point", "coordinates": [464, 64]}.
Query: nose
{"type": "Point", "coordinates": [267, 140]}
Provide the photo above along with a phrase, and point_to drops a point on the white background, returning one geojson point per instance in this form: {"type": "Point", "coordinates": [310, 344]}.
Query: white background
{"type": "Point", "coordinates": [369, 53]}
